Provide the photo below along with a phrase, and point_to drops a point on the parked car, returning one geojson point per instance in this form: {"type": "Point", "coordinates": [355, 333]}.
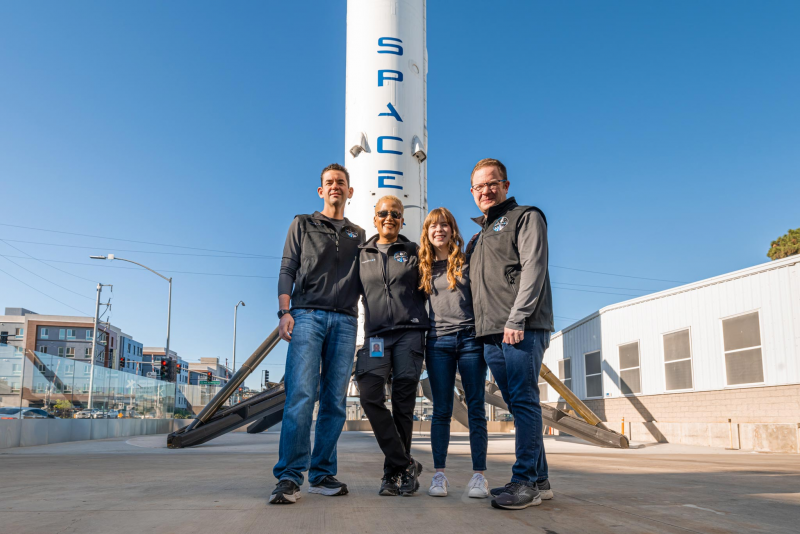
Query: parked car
{"type": "Point", "coordinates": [115, 414]}
{"type": "Point", "coordinates": [90, 414]}
{"type": "Point", "coordinates": [25, 413]}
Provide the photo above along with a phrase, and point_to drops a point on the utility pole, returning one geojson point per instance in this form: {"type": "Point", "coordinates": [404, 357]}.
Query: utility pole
{"type": "Point", "coordinates": [235, 309]}
{"type": "Point", "coordinates": [94, 341]}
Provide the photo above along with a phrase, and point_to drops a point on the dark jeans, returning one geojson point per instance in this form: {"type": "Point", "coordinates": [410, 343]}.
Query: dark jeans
{"type": "Point", "coordinates": [404, 352]}
{"type": "Point", "coordinates": [442, 356]}
{"type": "Point", "coordinates": [319, 362]}
{"type": "Point", "coordinates": [516, 370]}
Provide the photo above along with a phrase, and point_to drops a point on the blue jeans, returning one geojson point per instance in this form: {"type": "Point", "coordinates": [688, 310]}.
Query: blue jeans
{"type": "Point", "coordinates": [442, 356]}
{"type": "Point", "coordinates": [320, 358]}
{"type": "Point", "coordinates": [516, 370]}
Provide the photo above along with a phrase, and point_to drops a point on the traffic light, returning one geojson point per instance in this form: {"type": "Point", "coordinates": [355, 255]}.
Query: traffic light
{"type": "Point", "coordinates": [209, 376]}
{"type": "Point", "coordinates": [266, 376]}
{"type": "Point", "coordinates": [121, 362]}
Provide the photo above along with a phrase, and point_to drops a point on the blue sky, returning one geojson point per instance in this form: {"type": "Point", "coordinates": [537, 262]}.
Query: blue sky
{"type": "Point", "coordinates": [660, 138]}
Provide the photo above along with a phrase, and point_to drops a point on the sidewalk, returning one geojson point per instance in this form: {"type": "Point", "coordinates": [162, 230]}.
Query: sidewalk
{"type": "Point", "coordinates": [136, 485]}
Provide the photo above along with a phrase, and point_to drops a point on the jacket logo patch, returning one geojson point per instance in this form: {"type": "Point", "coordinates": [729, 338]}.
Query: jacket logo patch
{"type": "Point", "coordinates": [500, 223]}
{"type": "Point", "coordinates": [415, 320]}
{"type": "Point", "coordinates": [401, 256]}
{"type": "Point", "coordinates": [351, 233]}
{"type": "Point", "coordinates": [315, 223]}
{"type": "Point", "coordinates": [367, 261]}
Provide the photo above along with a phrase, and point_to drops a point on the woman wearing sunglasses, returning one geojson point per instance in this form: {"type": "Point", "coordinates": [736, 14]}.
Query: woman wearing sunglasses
{"type": "Point", "coordinates": [394, 343]}
{"type": "Point", "coordinates": [451, 346]}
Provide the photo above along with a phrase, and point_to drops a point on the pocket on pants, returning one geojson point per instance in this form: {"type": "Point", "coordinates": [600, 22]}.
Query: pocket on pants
{"type": "Point", "coordinates": [367, 364]}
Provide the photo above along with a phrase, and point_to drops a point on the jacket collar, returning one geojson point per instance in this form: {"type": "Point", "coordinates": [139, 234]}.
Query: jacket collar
{"type": "Point", "coordinates": [372, 242]}
{"type": "Point", "coordinates": [496, 211]}
{"type": "Point", "coordinates": [320, 217]}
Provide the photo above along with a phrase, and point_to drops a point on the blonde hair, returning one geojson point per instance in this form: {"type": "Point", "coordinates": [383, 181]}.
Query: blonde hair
{"type": "Point", "coordinates": [427, 255]}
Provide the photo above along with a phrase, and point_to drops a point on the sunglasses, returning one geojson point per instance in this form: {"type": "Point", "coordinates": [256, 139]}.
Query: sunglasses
{"type": "Point", "coordinates": [395, 214]}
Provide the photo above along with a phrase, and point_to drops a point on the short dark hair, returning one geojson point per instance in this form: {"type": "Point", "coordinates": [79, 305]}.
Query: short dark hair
{"type": "Point", "coordinates": [489, 162]}
{"type": "Point", "coordinates": [335, 167]}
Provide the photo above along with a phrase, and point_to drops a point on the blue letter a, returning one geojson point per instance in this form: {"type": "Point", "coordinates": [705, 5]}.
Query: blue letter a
{"type": "Point", "coordinates": [392, 113]}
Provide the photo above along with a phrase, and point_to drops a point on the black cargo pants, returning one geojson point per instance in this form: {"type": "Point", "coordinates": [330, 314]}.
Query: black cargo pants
{"type": "Point", "coordinates": [404, 353]}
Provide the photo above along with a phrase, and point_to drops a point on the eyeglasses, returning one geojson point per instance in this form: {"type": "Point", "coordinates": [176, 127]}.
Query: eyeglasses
{"type": "Point", "coordinates": [493, 185]}
{"type": "Point", "coordinates": [395, 214]}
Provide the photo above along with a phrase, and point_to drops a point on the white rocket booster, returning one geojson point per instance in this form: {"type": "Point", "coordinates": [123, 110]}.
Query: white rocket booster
{"type": "Point", "coordinates": [386, 137]}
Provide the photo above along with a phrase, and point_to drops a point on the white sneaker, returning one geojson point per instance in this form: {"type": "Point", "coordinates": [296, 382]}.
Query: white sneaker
{"type": "Point", "coordinates": [478, 487]}
{"type": "Point", "coordinates": [439, 485]}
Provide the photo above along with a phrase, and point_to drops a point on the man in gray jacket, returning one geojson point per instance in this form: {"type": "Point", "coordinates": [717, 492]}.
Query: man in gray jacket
{"type": "Point", "coordinates": [513, 306]}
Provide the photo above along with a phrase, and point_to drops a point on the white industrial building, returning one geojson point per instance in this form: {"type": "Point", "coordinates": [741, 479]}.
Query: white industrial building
{"type": "Point", "coordinates": [716, 362]}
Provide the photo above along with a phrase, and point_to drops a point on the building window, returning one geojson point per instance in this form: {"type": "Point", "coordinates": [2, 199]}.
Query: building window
{"type": "Point", "coordinates": [16, 369]}
{"type": "Point", "coordinates": [678, 360]}
{"type": "Point", "coordinates": [44, 333]}
{"type": "Point", "coordinates": [70, 352]}
{"type": "Point", "coordinates": [19, 332]}
{"type": "Point", "coordinates": [62, 334]}
{"type": "Point", "coordinates": [88, 335]}
{"type": "Point", "coordinates": [17, 351]}
{"type": "Point", "coordinates": [630, 379]}
{"type": "Point", "coordinates": [67, 388]}
{"type": "Point", "coordinates": [129, 348]}
{"type": "Point", "coordinates": [61, 351]}
{"type": "Point", "coordinates": [70, 369]}
{"type": "Point", "coordinates": [594, 378]}
{"type": "Point", "coordinates": [70, 333]}
{"type": "Point", "coordinates": [87, 352]}
{"type": "Point", "coordinates": [43, 349]}
{"type": "Point", "coordinates": [41, 367]}
{"type": "Point", "coordinates": [742, 345]}
{"type": "Point", "coordinates": [565, 372]}
{"type": "Point", "coordinates": [40, 387]}
{"type": "Point", "coordinates": [14, 387]}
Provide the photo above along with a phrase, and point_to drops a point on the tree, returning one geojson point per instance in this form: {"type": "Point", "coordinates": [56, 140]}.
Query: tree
{"type": "Point", "coordinates": [785, 246]}
{"type": "Point", "coordinates": [64, 406]}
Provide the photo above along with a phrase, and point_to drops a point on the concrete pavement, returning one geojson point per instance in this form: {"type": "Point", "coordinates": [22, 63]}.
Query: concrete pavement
{"type": "Point", "coordinates": [137, 485]}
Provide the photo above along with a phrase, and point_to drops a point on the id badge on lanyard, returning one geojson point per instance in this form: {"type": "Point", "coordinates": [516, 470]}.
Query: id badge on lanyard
{"type": "Point", "coordinates": [376, 347]}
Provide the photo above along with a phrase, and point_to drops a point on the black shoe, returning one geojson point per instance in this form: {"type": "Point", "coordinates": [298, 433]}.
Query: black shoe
{"type": "Point", "coordinates": [329, 486]}
{"type": "Point", "coordinates": [286, 492]}
{"type": "Point", "coordinates": [517, 496]}
{"type": "Point", "coordinates": [544, 489]}
{"type": "Point", "coordinates": [409, 482]}
{"type": "Point", "coordinates": [542, 485]}
{"type": "Point", "coordinates": [389, 486]}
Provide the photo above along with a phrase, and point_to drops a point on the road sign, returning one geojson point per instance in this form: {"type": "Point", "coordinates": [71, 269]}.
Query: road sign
{"type": "Point", "coordinates": [209, 382]}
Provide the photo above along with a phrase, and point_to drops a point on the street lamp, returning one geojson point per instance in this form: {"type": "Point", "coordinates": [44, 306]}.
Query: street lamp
{"type": "Point", "coordinates": [169, 307]}
{"type": "Point", "coordinates": [235, 309]}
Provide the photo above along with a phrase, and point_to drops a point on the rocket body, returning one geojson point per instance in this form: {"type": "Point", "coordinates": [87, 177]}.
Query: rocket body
{"type": "Point", "coordinates": [386, 139]}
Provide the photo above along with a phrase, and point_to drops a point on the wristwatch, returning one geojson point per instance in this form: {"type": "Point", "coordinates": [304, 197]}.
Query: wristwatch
{"type": "Point", "coordinates": [281, 313]}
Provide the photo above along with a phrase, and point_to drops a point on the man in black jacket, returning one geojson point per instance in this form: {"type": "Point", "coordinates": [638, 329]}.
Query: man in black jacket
{"type": "Point", "coordinates": [513, 306]}
{"type": "Point", "coordinates": [319, 278]}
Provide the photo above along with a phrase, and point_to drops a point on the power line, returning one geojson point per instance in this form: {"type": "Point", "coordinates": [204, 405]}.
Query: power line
{"type": "Point", "coordinates": [137, 269]}
{"type": "Point", "coordinates": [43, 293]}
{"type": "Point", "coordinates": [143, 251]}
{"type": "Point", "coordinates": [46, 280]}
{"type": "Point", "coordinates": [609, 287]}
{"type": "Point", "coordinates": [600, 292]}
{"type": "Point", "coordinates": [129, 240]}
{"type": "Point", "coordinates": [621, 275]}
{"type": "Point", "coordinates": [43, 263]}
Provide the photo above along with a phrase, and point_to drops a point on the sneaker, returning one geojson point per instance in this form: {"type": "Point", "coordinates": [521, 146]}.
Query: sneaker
{"type": "Point", "coordinates": [517, 496]}
{"type": "Point", "coordinates": [389, 485]}
{"type": "Point", "coordinates": [544, 489]}
{"type": "Point", "coordinates": [439, 485]}
{"type": "Point", "coordinates": [329, 486]}
{"type": "Point", "coordinates": [409, 483]}
{"type": "Point", "coordinates": [543, 486]}
{"type": "Point", "coordinates": [478, 487]}
{"type": "Point", "coordinates": [286, 492]}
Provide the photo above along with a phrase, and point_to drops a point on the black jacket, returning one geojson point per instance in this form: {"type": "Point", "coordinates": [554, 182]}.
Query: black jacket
{"type": "Point", "coordinates": [392, 298]}
{"type": "Point", "coordinates": [495, 270]}
{"type": "Point", "coordinates": [328, 275]}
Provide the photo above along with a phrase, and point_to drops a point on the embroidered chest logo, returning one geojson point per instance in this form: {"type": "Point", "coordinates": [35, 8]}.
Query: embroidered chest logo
{"type": "Point", "coordinates": [401, 256]}
{"type": "Point", "coordinates": [500, 223]}
{"type": "Point", "coordinates": [351, 233]}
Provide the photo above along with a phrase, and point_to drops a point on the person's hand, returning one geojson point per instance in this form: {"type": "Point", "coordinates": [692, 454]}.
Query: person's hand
{"type": "Point", "coordinates": [286, 326]}
{"type": "Point", "coordinates": [512, 337]}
